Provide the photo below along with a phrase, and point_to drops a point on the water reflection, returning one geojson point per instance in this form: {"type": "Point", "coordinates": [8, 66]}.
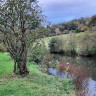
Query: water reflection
{"type": "Point", "coordinates": [88, 84]}
{"type": "Point", "coordinates": [59, 74]}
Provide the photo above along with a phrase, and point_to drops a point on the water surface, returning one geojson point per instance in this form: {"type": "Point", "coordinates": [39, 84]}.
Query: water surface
{"type": "Point", "coordinates": [87, 63]}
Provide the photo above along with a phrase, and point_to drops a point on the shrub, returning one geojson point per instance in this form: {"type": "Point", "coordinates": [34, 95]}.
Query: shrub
{"type": "Point", "coordinates": [37, 54]}
{"type": "Point", "coordinates": [55, 45]}
{"type": "Point", "coordinates": [70, 45]}
{"type": "Point", "coordinates": [66, 45]}
{"type": "Point", "coordinates": [78, 76]}
{"type": "Point", "coordinates": [46, 62]}
{"type": "Point", "coordinates": [93, 50]}
{"type": "Point", "coordinates": [83, 44]}
{"type": "Point", "coordinates": [86, 44]}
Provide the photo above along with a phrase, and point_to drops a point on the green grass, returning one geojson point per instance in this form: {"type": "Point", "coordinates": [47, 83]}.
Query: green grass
{"type": "Point", "coordinates": [34, 84]}
{"type": "Point", "coordinates": [6, 64]}
{"type": "Point", "coordinates": [47, 40]}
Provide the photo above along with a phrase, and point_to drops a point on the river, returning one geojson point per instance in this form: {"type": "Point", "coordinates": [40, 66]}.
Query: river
{"type": "Point", "coordinates": [86, 63]}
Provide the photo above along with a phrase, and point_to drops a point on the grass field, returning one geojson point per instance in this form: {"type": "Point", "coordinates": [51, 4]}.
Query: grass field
{"type": "Point", "coordinates": [47, 40]}
{"type": "Point", "coordinates": [35, 84]}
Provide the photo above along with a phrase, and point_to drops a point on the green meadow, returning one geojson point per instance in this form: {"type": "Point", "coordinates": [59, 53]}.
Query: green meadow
{"type": "Point", "coordinates": [34, 84]}
{"type": "Point", "coordinates": [47, 40]}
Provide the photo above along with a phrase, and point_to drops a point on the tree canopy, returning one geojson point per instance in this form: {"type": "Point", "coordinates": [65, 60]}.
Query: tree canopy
{"type": "Point", "coordinates": [20, 26]}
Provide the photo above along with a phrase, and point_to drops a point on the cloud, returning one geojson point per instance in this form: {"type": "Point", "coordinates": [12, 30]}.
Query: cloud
{"type": "Point", "coordinates": [64, 10]}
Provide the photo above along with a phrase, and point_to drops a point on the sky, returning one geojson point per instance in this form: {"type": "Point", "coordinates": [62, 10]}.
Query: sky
{"type": "Point", "coordinates": [58, 11]}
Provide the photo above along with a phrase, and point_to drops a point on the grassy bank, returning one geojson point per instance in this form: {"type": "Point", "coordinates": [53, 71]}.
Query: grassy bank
{"type": "Point", "coordinates": [35, 84]}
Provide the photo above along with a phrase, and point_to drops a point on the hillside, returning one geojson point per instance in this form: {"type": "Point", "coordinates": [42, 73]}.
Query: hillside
{"type": "Point", "coordinates": [77, 25]}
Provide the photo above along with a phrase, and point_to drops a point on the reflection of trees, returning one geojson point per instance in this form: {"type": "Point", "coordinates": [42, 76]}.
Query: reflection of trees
{"type": "Point", "coordinates": [88, 64]}
{"type": "Point", "coordinates": [78, 76]}
{"type": "Point", "coordinates": [81, 86]}
{"type": "Point", "coordinates": [80, 63]}
{"type": "Point", "coordinates": [64, 58]}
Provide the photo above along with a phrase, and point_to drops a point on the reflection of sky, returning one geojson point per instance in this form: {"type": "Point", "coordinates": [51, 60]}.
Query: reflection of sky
{"type": "Point", "coordinates": [64, 10]}
{"type": "Point", "coordinates": [88, 64]}
{"type": "Point", "coordinates": [91, 83]}
{"type": "Point", "coordinates": [59, 74]}
{"type": "Point", "coordinates": [92, 87]}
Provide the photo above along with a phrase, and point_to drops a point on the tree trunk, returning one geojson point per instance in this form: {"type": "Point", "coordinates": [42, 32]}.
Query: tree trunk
{"type": "Point", "coordinates": [20, 66]}
{"type": "Point", "coordinates": [15, 66]}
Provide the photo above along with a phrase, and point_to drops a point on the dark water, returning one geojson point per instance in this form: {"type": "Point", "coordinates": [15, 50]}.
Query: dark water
{"type": "Point", "coordinates": [88, 64]}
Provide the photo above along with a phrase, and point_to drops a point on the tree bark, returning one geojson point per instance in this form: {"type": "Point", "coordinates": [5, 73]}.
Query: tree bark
{"type": "Point", "coordinates": [20, 68]}
{"type": "Point", "coordinates": [15, 65]}
{"type": "Point", "coordinates": [20, 65]}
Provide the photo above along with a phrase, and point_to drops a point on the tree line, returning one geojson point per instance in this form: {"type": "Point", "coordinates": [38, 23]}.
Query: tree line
{"type": "Point", "coordinates": [77, 25]}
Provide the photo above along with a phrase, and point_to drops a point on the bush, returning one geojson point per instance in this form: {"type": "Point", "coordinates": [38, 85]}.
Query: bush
{"type": "Point", "coordinates": [56, 45]}
{"type": "Point", "coordinates": [86, 44]}
{"type": "Point", "coordinates": [65, 45]}
{"type": "Point", "coordinates": [37, 54]}
{"type": "Point", "coordinates": [93, 50]}
{"type": "Point", "coordinates": [83, 44]}
{"type": "Point", "coordinates": [46, 62]}
{"type": "Point", "coordinates": [70, 45]}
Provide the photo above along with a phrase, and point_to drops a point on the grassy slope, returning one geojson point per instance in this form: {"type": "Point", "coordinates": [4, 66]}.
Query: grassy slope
{"type": "Point", "coordinates": [35, 84]}
{"type": "Point", "coordinates": [47, 40]}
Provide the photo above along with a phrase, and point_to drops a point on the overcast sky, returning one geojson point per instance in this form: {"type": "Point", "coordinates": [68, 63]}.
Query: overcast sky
{"type": "Point", "coordinates": [58, 11]}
